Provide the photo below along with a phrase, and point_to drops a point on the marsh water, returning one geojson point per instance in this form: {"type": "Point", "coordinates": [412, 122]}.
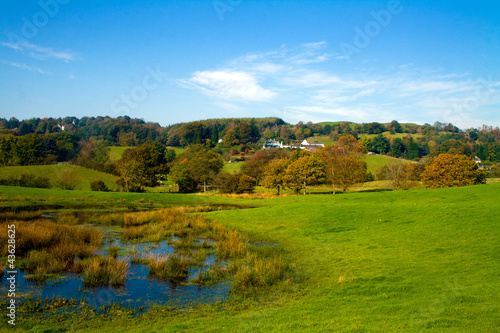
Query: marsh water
{"type": "Point", "coordinates": [139, 290]}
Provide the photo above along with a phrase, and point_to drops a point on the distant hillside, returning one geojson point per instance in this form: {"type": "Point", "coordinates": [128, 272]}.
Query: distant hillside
{"type": "Point", "coordinates": [62, 139]}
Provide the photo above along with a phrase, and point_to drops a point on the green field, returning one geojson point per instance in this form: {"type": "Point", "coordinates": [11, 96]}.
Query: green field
{"type": "Point", "coordinates": [232, 167]}
{"type": "Point", "coordinates": [323, 139]}
{"type": "Point", "coordinates": [375, 162]}
{"type": "Point", "coordinates": [53, 171]}
{"type": "Point", "coordinates": [390, 136]}
{"type": "Point", "coordinates": [401, 261]}
{"type": "Point", "coordinates": [115, 153]}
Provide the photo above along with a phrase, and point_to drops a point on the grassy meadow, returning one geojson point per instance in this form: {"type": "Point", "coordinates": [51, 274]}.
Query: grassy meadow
{"type": "Point", "coordinates": [405, 261]}
{"type": "Point", "coordinates": [116, 152]}
{"type": "Point", "coordinates": [86, 176]}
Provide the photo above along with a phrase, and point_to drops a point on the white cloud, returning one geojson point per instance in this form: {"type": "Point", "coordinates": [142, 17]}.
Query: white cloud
{"type": "Point", "coordinates": [295, 76]}
{"type": "Point", "coordinates": [41, 53]}
{"type": "Point", "coordinates": [24, 66]}
{"type": "Point", "coordinates": [230, 85]}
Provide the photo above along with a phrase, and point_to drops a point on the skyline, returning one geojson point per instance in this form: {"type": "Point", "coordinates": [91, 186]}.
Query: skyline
{"type": "Point", "coordinates": [171, 61]}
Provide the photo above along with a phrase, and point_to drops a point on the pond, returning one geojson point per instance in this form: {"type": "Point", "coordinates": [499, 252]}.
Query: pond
{"type": "Point", "coordinates": [139, 289]}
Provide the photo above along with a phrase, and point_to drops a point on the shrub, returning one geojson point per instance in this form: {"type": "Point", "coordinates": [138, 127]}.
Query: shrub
{"type": "Point", "coordinates": [234, 183]}
{"type": "Point", "coordinates": [27, 180]}
{"type": "Point", "coordinates": [99, 185]}
{"type": "Point", "coordinates": [68, 180]}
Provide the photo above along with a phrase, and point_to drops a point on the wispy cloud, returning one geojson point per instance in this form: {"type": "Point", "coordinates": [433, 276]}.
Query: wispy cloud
{"type": "Point", "coordinates": [42, 53]}
{"type": "Point", "coordinates": [297, 83]}
{"type": "Point", "coordinates": [24, 66]}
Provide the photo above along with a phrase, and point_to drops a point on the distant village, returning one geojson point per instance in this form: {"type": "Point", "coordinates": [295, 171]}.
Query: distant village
{"type": "Point", "coordinates": [311, 146]}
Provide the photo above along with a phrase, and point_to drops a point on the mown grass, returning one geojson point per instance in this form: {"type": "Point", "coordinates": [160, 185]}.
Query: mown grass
{"type": "Point", "coordinates": [53, 171]}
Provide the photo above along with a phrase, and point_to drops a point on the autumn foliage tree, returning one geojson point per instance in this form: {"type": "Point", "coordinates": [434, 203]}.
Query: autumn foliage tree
{"type": "Point", "coordinates": [344, 163]}
{"type": "Point", "coordinates": [448, 170]}
{"type": "Point", "coordinates": [401, 175]}
{"type": "Point", "coordinates": [306, 170]}
{"type": "Point", "coordinates": [274, 174]}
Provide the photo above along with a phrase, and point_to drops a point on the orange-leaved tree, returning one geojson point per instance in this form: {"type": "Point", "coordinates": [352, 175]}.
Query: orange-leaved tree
{"type": "Point", "coordinates": [449, 170]}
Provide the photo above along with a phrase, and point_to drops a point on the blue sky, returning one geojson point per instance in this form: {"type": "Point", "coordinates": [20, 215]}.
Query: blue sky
{"type": "Point", "coordinates": [178, 61]}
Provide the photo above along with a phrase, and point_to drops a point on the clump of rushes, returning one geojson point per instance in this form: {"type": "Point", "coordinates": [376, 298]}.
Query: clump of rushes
{"type": "Point", "coordinates": [113, 251]}
{"type": "Point", "coordinates": [24, 215]}
{"type": "Point", "coordinates": [43, 234]}
{"type": "Point", "coordinates": [206, 278]}
{"type": "Point", "coordinates": [170, 267]}
{"type": "Point", "coordinates": [110, 219]}
{"type": "Point", "coordinates": [50, 248]}
{"type": "Point", "coordinates": [260, 272]}
{"type": "Point", "coordinates": [99, 271]}
{"type": "Point", "coordinates": [230, 245]}
{"type": "Point", "coordinates": [41, 265]}
{"type": "Point", "coordinates": [67, 218]}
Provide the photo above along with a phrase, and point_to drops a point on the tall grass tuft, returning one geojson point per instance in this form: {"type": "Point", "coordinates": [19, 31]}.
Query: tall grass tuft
{"type": "Point", "coordinates": [260, 272]}
{"type": "Point", "coordinates": [230, 245]}
{"type": "Point", "coordinates": [46, 248]}
{"type": "Point", "coordinates": [169, 267]}
{"type": "Point", "coordinates": [99, 270]}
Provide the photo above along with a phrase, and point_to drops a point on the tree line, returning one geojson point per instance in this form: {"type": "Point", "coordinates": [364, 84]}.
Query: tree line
{"type": "Point", "coordinates": [84, 141]}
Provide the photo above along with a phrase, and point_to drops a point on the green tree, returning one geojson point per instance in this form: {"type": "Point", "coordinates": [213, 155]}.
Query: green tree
{"type": "Point", "coordinates": [202, 163]}
{"type": "Point", "coordinates": [142, 166]}
{"type": "Point", "coordinates": [234, 183]}
{"type": "Point", "coordinates": [380, 144]}
{"type": "Point", "coordinates": [27, 150]}
{"type": "Point", "coordinates": [7, 143]}
{"type": "Point", "coordinates": [449, 170]}
{"type": "Point", "coordinates": [181, 175]}
{"type": "Point", "coordinates": [397, 147]}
